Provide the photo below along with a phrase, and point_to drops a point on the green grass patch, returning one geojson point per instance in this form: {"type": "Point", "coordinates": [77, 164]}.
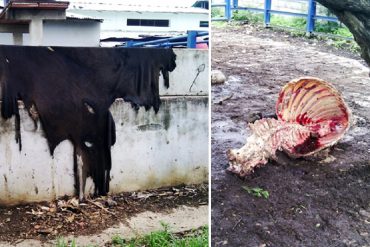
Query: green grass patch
{"type": "Point", "coordinates": [162, 238]}
{"type": "Point", "coordinates": [337, 36]}
{"type": "Point", "coordinates": [217, 12]}
{"type": "Point", "coordinates": [196, 238]}
{"type": "Point", "coordinates": [61, 242]}
{"type": "Point", "coordinates": [248, 16]}
{"type": "Point", "coordinates": [293, 22]}
{"type": "Point", "coordinates": [257, 192]}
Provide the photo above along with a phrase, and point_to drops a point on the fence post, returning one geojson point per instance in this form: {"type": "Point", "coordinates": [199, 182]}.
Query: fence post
{"type": "Point", "coordinates": [192, 39]}
{"type": "Point", "coordinates": [235, 4]}
{"type": "Point", "coordinates": [228, 10]}
{"type": "Point", "coordinates": [310, 26]}
{"type": "Point", "coordinates": [267, 13]}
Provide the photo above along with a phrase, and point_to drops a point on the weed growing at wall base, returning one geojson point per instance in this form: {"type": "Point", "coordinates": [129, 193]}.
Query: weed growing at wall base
{"type": "Point", "coordinates": [195, 238]}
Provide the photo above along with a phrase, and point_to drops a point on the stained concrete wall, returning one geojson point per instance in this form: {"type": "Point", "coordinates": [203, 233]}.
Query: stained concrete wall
{"type": "Point", "coordinates": [152, 150]}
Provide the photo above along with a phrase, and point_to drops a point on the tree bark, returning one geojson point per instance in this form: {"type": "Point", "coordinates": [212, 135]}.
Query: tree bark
{"type": "Point", "coordinates": [355, 14]}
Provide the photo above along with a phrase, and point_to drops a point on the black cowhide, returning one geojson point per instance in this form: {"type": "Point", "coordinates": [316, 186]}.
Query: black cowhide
{"type": "Point", "coordinates": [72, 90]}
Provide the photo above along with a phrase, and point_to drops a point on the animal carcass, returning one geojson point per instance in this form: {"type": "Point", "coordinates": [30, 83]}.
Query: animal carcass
{"type": "Point", "coordinates": [311, 116]}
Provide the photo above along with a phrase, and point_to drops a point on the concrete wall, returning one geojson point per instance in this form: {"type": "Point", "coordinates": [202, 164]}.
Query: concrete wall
{"type": "Point", "coordinates": [63, 33]}
{"type": "Point", "coordinates": [152, 150]}
{"type": "Point", "coordinates": [72, 33]}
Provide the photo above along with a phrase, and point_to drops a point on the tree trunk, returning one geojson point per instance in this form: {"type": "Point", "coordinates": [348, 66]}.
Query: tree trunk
{"type": "Point", "coordinates": [355, 14]}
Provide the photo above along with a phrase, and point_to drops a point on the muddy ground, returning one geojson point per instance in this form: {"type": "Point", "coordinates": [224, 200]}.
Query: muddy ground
{"type": "Point", "coordinates": [48, 220]}
{"type": "Point", "coordinates": [311, 203]}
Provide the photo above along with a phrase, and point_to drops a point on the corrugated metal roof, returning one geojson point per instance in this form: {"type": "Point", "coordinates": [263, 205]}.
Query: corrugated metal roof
{"type": "Point", "coordinates": [81, 17]}
{"type": "Point", "coordinates": [106, 6]}
{"type": "Point", "coordinates": [39, 4]}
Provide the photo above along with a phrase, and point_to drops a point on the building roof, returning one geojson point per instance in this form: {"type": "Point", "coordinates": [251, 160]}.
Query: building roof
{"type": "Point", "coordinates": [29, 4]}
{"type": "Point", "coordinates": [72, 16]}
{"type": "Point", "coordinates": [106, 6]}
{"type": "Point", "coordinates": [38, 4]}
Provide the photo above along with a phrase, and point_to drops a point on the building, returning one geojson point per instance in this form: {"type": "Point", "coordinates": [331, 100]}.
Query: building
{"type": "Point", "coordinates": [46, 23]}
{"type": "Point", "coordinates": [132, 20]}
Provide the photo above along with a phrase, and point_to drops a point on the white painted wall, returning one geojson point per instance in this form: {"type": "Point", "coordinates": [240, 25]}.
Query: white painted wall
{"type": "Point", "coordinates": [6, 39]}
{"type": "Point", "coordinates": [115, 21]}
{"type": "Point", "coordinates": [152, 150]}
{"type": "Point", "coordinates": [80, 33]}
{"type": "Point", "coordinates": [72, 33]}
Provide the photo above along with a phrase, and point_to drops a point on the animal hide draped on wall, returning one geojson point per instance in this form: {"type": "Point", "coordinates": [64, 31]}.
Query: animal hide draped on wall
{"type": "Point", "coordinates": [72, 89]}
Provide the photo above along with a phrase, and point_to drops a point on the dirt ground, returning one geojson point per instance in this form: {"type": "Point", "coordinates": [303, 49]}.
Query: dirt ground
{"type": "Point", "coordinates": [46, 221]}
{"type": "Point", "coordinates": [311, 203]}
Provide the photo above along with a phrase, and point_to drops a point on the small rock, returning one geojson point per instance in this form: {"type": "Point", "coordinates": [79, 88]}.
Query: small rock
{"type": "Point", "coordinates": [217, 77]}
{"type": "Point", "coordinates": [7, 220]}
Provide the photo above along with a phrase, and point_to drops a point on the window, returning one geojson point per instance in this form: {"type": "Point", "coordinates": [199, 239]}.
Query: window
{"type": "Point", "coordinates": [201, 4]}
{"type": "Point", "coordinates": [203, 24]}
{"type": "Point", "coordinates": [149, 23]}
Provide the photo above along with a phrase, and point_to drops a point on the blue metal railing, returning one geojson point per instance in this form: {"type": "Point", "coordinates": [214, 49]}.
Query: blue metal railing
{"type": "Point", "coordinates": [311, 16]}
{"type": "Point", "coordinates": [189, 40]}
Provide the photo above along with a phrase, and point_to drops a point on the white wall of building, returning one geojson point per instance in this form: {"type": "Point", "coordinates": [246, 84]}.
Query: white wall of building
{"type": "Point", "coordinates": [6, 39]}
{"type": "Point", "coordinates": [71, 33]}
{"type": "Point", "coordinates": [115, 22]}
{"type": "Point", "coordinates": [80, 33]}
{"type": "Point", "coordinates": [152, 150]}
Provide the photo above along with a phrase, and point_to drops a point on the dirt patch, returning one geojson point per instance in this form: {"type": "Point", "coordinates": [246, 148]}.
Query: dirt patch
{"type": "Point", "coordinates": [46, 221]}
{"type": "Point", "coordinates": [312, 202]}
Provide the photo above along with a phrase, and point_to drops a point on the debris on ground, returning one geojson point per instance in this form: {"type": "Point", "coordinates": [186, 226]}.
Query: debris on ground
{"type": "Point", "coordinates": [66, 216]}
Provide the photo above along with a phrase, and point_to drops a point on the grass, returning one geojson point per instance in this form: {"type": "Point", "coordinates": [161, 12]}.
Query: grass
{"type": "Point", "coordinates": [62, 243]}
{"type": "Point", "coordinates": [196, 238]}
{"type": "Point", "coordinates": [339, 35]}
{"type": "Point", "coordinates": [257, 192]}
{"type": "Point", "coordinates": [294, 22]}
{"type": "Point", "coordinates": [162, 238]}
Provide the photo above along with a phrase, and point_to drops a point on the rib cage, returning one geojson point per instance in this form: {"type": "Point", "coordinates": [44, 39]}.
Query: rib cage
{"type": "Point", "coordinates": [311, 116]}
{"type": "Point", "coordinates": [316, 104]}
